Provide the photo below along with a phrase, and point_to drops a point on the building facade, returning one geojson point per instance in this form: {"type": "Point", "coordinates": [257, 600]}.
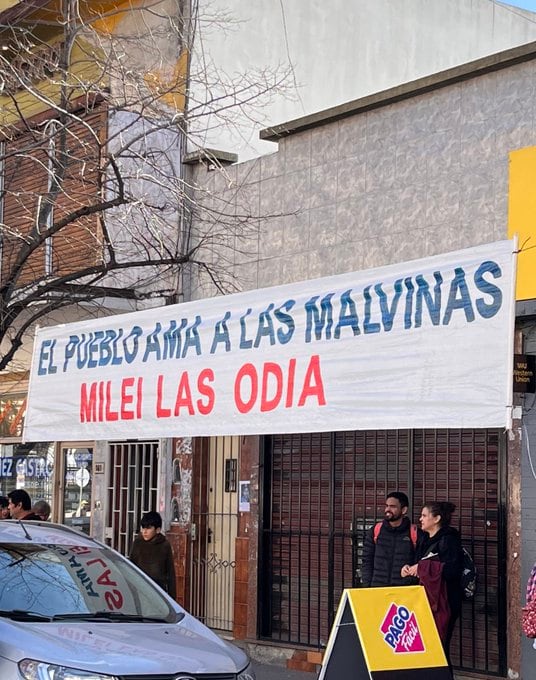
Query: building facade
{"type": "Point", "coordinates": [267, 530]}
{"type": "Point", "coordinates": [417, 170]}
{"type": "Point", "coordinates": [77, 127]}
{"type": "Point", "coordinates": [352, 49]}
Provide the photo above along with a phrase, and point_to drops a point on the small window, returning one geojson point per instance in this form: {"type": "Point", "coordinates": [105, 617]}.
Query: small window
{"type": "Point", "coordinates": [231, 467]}
{"type": "Point", "coordinates": [176, 472]}
{"type": "Point", "coordinates": [175, 510]}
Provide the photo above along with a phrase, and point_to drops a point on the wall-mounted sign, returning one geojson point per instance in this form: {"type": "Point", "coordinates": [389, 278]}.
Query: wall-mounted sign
{"type": "Point", "coordinates": [384, 634]}
{"type": "Point", "coordinates": [524, 373]}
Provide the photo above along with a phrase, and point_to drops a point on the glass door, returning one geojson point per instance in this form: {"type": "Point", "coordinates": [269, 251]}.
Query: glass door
{"type": "Point", "coordinates": [77, 462]}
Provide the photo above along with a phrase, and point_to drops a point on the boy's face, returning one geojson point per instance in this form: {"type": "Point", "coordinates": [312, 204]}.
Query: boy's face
{"type": "Point", "coordinates": [149, 532]}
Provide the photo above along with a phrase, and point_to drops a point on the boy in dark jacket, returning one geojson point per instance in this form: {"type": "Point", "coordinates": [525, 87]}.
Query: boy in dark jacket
{"type": "Point", "coordinates": [151, 552]}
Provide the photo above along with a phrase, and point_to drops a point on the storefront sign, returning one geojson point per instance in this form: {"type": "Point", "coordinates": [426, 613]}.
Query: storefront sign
{"type": "Point", "coordinates": [524, 373]}
{"type": "Point", "coordinates": [384, 633]}
{"type": "Point", "coordinates": [388, 348]}
{"type": "Point", "coordinates": [27, 466]}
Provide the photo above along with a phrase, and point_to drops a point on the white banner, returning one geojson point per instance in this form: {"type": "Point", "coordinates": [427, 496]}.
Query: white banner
{"type": "Point", "coordinates": [421, 344]}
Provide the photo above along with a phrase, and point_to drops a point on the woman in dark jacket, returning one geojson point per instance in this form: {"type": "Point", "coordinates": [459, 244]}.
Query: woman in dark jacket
{"type": "Point", "coordinates": [441, 542]}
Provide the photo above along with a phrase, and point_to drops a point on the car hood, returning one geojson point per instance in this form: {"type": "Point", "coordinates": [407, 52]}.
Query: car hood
{"type": "Point", "coordinates": [122, 648]}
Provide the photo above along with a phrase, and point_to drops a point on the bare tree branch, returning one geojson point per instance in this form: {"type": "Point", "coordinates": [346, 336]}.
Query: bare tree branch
{"type": "Point", "coordinates": [95, 117]}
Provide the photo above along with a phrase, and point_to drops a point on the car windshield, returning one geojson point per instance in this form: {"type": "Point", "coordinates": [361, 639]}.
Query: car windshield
{"type": "Point", "coordinates": [56, 581]}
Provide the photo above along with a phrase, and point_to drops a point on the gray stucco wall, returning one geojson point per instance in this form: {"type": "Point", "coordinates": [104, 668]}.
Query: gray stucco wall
{"type": "Point", "coordinates": [422, 176]}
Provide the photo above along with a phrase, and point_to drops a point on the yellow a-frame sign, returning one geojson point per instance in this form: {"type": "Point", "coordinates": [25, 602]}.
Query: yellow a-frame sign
{"type": "Point", "coordinates": [384, 634]}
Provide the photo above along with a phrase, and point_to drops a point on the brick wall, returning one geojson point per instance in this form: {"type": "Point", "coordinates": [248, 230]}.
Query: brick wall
{"type": "Point", "coordinates": [26, 183]}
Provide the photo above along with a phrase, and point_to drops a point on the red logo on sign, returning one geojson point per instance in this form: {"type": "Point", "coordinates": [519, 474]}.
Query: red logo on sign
{"type": "Point", "coordinates": [400, 630]}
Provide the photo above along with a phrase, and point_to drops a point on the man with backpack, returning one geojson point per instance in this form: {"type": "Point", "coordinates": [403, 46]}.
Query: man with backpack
{"type": "Point", "coordinates": [389, 545]}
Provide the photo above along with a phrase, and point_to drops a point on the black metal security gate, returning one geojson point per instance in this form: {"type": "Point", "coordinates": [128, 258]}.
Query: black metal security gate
{"type": "Point", "coordinates": [320, 492]}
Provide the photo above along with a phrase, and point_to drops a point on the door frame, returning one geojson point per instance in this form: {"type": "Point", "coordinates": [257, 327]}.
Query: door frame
{"type": "Point", "coordinates": [59, 477]}
{"type": "Point", "coordinates": [212, 576]}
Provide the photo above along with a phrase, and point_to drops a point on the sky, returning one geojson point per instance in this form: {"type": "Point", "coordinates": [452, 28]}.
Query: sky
{"type": "Point", "coordinates": [524, 4]}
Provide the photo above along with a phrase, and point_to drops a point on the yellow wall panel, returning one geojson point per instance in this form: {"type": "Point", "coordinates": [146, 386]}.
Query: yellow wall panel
{"type": "Point", "coordinates": [522, 218]}
{"type": "Point", "coordinates": [170, 87]}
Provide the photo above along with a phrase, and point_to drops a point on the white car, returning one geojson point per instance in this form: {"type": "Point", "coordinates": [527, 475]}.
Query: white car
{"type": "Point", "coordinates": [73, 609]}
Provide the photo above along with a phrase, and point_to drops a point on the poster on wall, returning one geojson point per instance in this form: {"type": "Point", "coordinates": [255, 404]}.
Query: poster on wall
{"type": "Point", "coordinates": [418, 344]}
{"type": "Point", "coordinates": [244, 504]}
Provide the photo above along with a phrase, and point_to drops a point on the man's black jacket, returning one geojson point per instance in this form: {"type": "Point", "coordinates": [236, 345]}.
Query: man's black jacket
{"type": "Point", "coordinates": [383, 560]}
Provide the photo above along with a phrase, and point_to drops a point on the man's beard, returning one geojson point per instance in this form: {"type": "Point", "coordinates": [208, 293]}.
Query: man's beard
{"type": "Point", "coordinates": [392, 518]}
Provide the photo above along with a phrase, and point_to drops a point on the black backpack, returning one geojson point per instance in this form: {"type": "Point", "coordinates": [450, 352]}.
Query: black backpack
{"type": "Point", "coordinates": [468, 579]}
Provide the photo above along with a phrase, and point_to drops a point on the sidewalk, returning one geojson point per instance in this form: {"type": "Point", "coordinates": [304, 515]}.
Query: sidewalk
{"type": "Point", "coordinates": [267, 671]}
{"type": "Point", "coordinates": [269, 662]}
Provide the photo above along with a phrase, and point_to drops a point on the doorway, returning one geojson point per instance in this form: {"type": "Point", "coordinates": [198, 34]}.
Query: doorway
{"type": "Point", "coordinates": [76, 471]}
{"type": "Point", "coordinates": [321, 492]}
{"type": "Point", "coordinates": [215, 525]}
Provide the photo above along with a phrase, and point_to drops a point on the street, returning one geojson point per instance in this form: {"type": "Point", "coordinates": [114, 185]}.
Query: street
{"type": "Point", "coordinates": [265, 671]}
